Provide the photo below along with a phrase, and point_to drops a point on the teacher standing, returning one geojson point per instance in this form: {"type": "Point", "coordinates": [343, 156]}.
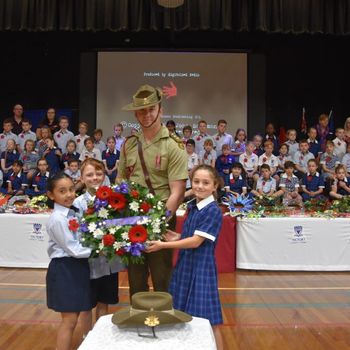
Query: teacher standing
{"type": "Point", "coordinates": [155, 159]}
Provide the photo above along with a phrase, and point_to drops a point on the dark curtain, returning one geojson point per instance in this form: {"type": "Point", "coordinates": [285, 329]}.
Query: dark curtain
{"type": "Point", "coordinates": [281, 16]}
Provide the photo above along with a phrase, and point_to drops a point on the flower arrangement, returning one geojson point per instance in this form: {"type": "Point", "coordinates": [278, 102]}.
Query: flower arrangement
{"type": "Point", "coordinates": [39, 202]}
{"type": "Point", "coordinates": [121, 220]}
{"type": "Point", "coordinates": [238, 205]}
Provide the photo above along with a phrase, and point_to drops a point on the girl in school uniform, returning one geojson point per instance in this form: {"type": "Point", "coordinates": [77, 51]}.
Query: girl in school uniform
{"type": "Point", "coordinates": [104, 275]}
{"type": "Point", "coordinates": [238, 183]}
{"type": "Point", "coordinates": [194, 284]}
{"type": "Point", "coordinates": [15, 181]}
{"type": "Point", "coordinates": [341, 184]}
{"type": "Point", "coordinates": [52, 155]}
{"type": "Point", "coordinates": [70, 153]}
{"type": "Point", "coordinates": [67, 279]}
{"type": "Point", "coordinates": [110, 159]}
{"type": "Point", "coordinates": [29, 158]}
{"type": "Point", "coordinates": [9, 156]}
{"type": "Point", "coordinates": [39, 181]}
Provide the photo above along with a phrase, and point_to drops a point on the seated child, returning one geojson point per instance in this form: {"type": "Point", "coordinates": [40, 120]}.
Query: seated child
{"type": "Point", "coordinates": [269, 158]}
{"type": "Point", "coordinates": [339, 143]}
{"type": "Point", "coordinates": [314, 146]}
{"type": "Point", "coordinates": [266, 185]}
{"type": "Point", "coordinates": [224, 164]}
{"type": "Point", "coordinates": [39, 180]}
{"type": "Point", "coordinates": [346, 159]}
{"type": "Point", "coordinates": [208, 155]}
{"type": "Point", "coordinates": [70, 153]}
{"type": "Point", "coordinates": [301, 158]}
{"type": "Point", "coordinates": [9, 156]}
{"type": "Point", "coordinates": [29, 159]}
{"type": "Point", "coordinates": [289, 186]}
{"type": "Point", "coordinates": [74, 173]}
{"type": "Point", "coordinates": [282, 158]}
{"type": "Point", "coordinates": [192, 160]}
{"type": "Point", "coordinates": [238, 184]}
{"type": "Point", "coordinates": [250, 161]}
{"type": "Point", "coordinates": [90, 150]}
{"type": "Point", "coordinates": [291, 142]}
{"type": "Point", "coordinates": [15, 181]}
{"type": "Point", "coordinates": [329, 161]}
{"type": "Point", "coordinates": [312, 182]}
{"type": "Point", "coordinates": [341, 184]}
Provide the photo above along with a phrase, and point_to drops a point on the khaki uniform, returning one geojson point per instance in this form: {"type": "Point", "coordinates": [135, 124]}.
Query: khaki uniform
{"type": "Point", "coordinates": [166, 160]}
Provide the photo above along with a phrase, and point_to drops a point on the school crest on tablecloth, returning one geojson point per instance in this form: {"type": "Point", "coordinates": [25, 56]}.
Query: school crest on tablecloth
{"type": "Point", "coordinates": [298, 236]}
{"type": "Point", "coordinates": [37, 233]}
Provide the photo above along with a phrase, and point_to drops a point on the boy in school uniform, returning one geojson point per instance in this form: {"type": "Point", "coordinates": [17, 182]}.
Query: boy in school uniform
{"type": "Point", "coordinates": [301, 158]}
{"type": "Point", "coordinates": [99, 144]}
{"type": "Point", "coordinates": [118, 136]}
{"type": "Point", "coordinates": [26, 134]}
{"type": "Point", "coordinates": [339, 143]}
{"type": "Point", "coordinates": [62, 136]}
{"type": "Point", "coordinates": [314, 145]}
{"type": "Point", "coordinates": [7, 134]}
{"type": "Point", "coordinates": [291, 142]}
{"type": "Point", "coordinates": [81, 137]}
{"type": "Point", "coordinates": [266, 184]}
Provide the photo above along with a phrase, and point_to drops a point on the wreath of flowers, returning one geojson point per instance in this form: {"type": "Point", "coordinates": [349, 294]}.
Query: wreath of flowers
{"type": "Point", "coordinates": [121, 220]}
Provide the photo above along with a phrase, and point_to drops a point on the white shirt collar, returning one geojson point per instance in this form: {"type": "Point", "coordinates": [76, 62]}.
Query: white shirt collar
{"type": "Point", "coordinates": [316, 174]}
{"type": "Point", "coordinates": [61, 209]}
{"type": "Point", "coordinates": [114, 152]}
{"type": "Point", "coordinates": [239, 177]}
{"type": "Point", "coordinates": [308, 140]}
{"type": "Point", "coordinates": [285, 176]}
{"type": "Point", "coordinates": [204, 202]}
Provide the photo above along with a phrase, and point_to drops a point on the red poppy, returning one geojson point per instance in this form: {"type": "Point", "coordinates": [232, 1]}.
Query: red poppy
{"type": "Point", "coordinates": [58, 135]}
{"type": "Point", "coordinates": [73, 225]}
{"type": "Point", "coordinates": [137, 234]}
{"type": "Point", "coordinates": [232, 181]}
{"type": "Point", "coordinates": [217, 138]}
{"type": "Point", "coordinates": [145, 207]}
{"type": "Point", "coordinates": [103, 192]}
{"type": "Point", "coordinates": [245, 160]}
{"type": "Point", "coordinates": [25, 158]}
{"type": "Point", "coordinates": [2, 136]}
{"type": "Point", "coordinates": [134, 194]}
{"type": "Point", "coordinates": [89, 211]}
{"type": "Point", "coordinates": [309, 177]}
{"type": "Point", "coordinates": [120, 252]}
{"type": "Point", "coordinates": [22, 136]}
{"type": "Point", "coordinates": [78, 140]}
{"type": "Point", "coordinates": [263, 183]}
{"type": "Point", "coordinates": [198, 138]}
{"type": "Point", "coordinates": [264, 159]}
{"type": "Point", "coordinates": [108, 240]}
{"type": "Point", "coordinates": [117, 201]}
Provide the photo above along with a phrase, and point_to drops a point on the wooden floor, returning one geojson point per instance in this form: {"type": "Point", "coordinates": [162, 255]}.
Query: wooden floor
{"type": "Point", "coordinates": [262, 310]}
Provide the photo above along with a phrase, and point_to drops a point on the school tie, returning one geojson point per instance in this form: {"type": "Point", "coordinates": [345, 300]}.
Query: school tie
{"type": "Point", "coordinates": [72, 211]}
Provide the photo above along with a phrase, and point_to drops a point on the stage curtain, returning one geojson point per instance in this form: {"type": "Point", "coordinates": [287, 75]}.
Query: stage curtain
{"type": "Point", "coordinates": [271, 16]}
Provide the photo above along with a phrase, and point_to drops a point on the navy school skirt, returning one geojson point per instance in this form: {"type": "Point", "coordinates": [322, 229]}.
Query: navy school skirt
{"type": "Point", "coordinates": [68, 285]}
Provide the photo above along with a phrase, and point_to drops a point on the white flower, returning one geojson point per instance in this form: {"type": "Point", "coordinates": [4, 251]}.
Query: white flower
{"type": "Point", "coordinates": [125, 236]}
{"type": "Point", "coordinates": [103, 213]}
{"type": "Point", "coordinates": [143, 221]}
{"type": "Point", "coordinates": [101, 245]}
{"type": "Point", "coordinates": [112, 230]}
{"type": "Point", "coordinates": [149, 195]}
{"type": "Point", "coordinates": [134, 206]}
{"type": "Point", "coordinates": [98, 234]}
{"type": "Point", "coordinates": [117, 245]}
{"type": "Point", "coordinates": [92, 227]}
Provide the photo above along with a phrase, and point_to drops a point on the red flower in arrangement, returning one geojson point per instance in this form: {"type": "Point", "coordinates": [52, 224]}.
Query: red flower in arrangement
{"type": "Point", "coordinates": [145, 207]}
{"type": "Point", "coordinates": [264, 159]}
{"type": "Point", "coordinates": [117, 201]}
{"type": "Point", "coordinates": [89, 211]}
{"type": "Point", "coordinates": [245, 160]}
{"type": "Point", "coordinates": [78, 140]}
{"type": "Point", "coordinates": [134, 194]}
{"type": "Point", "coordinates": [103, 192]}
{"type": "Point", "coordinates": [137, 234]}
{"type": "Point", "coordinates": [73, 225]}
{"type": "Point", "coordinates": [120, 252]}
{"type": "Point", "coordinates": [108, 240]}
{"type": "Point", "coordinates": [309, 177]}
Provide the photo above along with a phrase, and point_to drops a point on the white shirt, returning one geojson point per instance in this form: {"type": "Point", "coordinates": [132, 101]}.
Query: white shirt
{"type": "Point", "coordinates": [220, 140]}
{"type": "Point", "coordinates": [79, 140]}
{"type": "Point", "coordinates": [249, 162]}
{"type": "Point", "coordinates": [339, 147]}
{"type": "Point", "coordinates": [293, 147]}
{"type": "Point", "coordinates": [272, 161]}
{"type": "Point", "coordinates": [95, 153]}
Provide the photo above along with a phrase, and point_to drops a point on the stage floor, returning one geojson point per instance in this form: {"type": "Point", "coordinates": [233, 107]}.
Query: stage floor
{"type": "Point", "coordinates": [262, 310]}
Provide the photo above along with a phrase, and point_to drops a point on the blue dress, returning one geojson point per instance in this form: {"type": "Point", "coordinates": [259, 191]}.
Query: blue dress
{"type": "Point", "coordinates": [194, 285]}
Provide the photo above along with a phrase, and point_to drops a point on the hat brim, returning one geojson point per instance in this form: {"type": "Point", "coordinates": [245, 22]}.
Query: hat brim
{"type": "Point", "coordinates": [123, 318]}
{"type": "Point", "coordinates": [132, 107]}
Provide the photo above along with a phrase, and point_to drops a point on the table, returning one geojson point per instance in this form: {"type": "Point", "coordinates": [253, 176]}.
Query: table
{"type": "Point", "coordinates": [294, 243]}
{"type": "Point", "coordinates": [23, 240]}
{"type": "Point", "coordinates": [193, 335]}
{"type": "Point", "coordinates": [225, 252]}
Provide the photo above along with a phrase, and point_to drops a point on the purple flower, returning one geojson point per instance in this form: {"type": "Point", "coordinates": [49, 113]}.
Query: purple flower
{"type": "Point", "coordinates": [124, 188]}
{"type": "Point", "coordinates": [135, 249]}
{"type": "Point", "coordinates": [117, 189]}
{"type": "Point", "coordinates": [168, 213]}
{"type": "Point", "coordinates": [84, 227]}
{"type": "Point", "coordinates": [99, 203]}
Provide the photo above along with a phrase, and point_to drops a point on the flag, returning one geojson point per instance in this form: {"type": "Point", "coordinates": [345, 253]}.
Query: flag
{"type": "Point", "coordinates": [331, 121]}
{"type": "Point", "coordinates": [303, 125]}
{"type": "Point", "coordinates": [282, 137]}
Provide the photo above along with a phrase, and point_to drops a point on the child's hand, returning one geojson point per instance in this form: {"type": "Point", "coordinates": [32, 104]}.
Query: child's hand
{"type": "Point", "coordinates": [36, 189]}
{"type": "Point", "coordinates": [172, 236]}
{"type": "Point", "coordinates": [154, 246]}
{"type": "Point", "coordinates": [342, 184]}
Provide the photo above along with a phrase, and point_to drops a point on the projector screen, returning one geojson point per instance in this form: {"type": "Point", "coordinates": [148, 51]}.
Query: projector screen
{"type": "Point", "coordinates": [209, 86]}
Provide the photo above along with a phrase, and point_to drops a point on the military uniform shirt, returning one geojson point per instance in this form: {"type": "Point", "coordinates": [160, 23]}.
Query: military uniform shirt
{"type": "Point", "coordinates": [165, 160]}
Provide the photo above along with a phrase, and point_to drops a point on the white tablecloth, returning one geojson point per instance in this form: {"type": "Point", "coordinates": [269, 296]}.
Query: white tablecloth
{"type": "Point", "coordinates": [193, 335]}
{"type": "Point", "coordinates": [295, 243]}
{"type": "Point", "coordinates": [23, 240]}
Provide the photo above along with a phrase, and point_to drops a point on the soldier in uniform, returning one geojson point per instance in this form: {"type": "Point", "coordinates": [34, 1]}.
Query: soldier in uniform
{"type": "Point", "coordinates": [155, 159]}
